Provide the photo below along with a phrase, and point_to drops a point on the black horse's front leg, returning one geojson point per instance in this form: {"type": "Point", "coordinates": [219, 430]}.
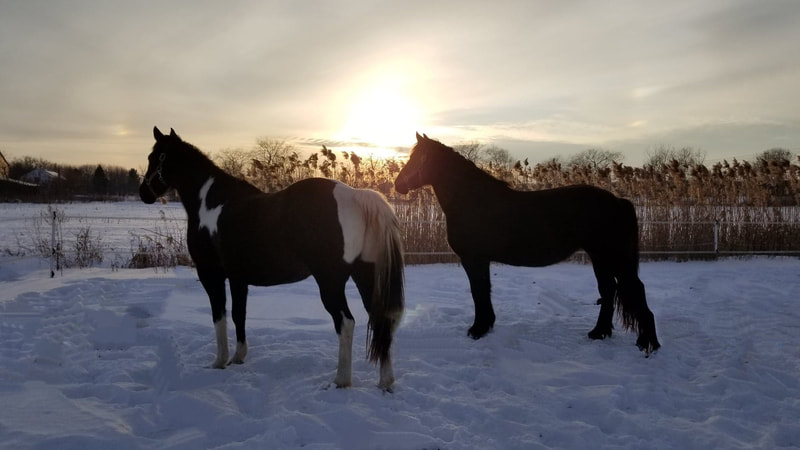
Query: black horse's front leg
{"type": "Point", "coordinates": [480, 285]}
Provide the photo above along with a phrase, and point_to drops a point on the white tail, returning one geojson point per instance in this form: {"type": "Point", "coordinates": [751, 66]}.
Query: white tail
{"type": "Point", "coordinates": [380, 244]}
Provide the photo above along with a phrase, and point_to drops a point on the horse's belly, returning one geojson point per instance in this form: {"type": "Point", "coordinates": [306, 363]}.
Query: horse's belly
{"type": "Point", "coordinates": [536, 253]}
{"type": "Point", "coordinates": [534, 258]}
{"type": "Point", "coordinates": [267, 271]}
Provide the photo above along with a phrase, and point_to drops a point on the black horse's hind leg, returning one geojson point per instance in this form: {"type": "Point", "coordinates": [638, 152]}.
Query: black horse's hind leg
{"type": "Point", "coordinates": [607, 285]}
{"type": "Point", "coordinates": [480, 285]}
{"type": "Point", "coordinates": [238, 313]}
{"type": "Point", "coordinates": [331, 291]}
{"type": "Point", "coordinates": [633, 297]}
{"type": "Point", "coordinates": [214, 284]}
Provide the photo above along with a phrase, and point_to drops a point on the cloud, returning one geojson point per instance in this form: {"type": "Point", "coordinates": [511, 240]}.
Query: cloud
{"type": "Point", "coordinates": [571, 73]}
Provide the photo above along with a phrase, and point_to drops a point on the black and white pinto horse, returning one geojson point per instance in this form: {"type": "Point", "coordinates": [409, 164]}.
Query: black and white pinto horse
{"type": "Point", "coordinates": [488, 221]}
{"type": "Point", "coordinates": [315, 227]}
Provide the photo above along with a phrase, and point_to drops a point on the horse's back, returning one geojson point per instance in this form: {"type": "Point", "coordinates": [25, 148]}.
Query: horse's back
{"type": "Point", "coordinates": [538, 228]}
{"type": "Point", "coordinates": [277, 238]}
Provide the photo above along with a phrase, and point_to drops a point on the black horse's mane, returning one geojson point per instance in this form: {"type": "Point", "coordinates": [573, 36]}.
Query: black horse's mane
{"type": "Point", "coordinates": [462, 168]}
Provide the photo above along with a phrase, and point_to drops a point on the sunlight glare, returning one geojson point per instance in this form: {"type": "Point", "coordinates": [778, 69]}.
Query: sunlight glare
{"type": "Point", "coordinates": [381, 118]}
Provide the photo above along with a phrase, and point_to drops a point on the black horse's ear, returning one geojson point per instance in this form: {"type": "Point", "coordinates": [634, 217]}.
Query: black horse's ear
{"type": "Point", "coordinates": [157, 134]}
{"type": "Point", "coordinates": [173, 134]}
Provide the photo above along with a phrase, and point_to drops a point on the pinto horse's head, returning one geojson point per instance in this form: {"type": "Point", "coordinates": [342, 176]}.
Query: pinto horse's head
{"type": "Point", "coordinates": [418, 170]}
{"type": "Point", "coordinates": [155, 182]}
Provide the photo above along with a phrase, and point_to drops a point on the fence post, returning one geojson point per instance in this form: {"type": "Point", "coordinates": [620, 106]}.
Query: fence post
{"type": "Point", "coordinates": [716, 236]}
{"type": "Point", "coordinates": [53, 253]}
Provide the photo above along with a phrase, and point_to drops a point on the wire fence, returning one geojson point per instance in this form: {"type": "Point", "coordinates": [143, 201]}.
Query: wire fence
{"type": "Point", "coordinates": [148, 241]}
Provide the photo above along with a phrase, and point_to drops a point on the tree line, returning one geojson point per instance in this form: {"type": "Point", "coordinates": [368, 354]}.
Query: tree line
{"type": "Point", "coordinates": [76, 181]}
{"type": "Point", "coordinates": [670, 176]}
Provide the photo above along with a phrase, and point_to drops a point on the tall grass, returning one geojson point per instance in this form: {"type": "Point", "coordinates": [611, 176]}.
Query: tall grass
{"type": "Point", "coordinates": [754, 204]}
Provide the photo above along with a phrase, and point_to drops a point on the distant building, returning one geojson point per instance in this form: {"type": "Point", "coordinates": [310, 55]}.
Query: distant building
{"type": "Point", "coordinates": [4, 166]}
{"type": "Point", "coordinates": [14, 190]}
{"type": "Point", "coordinates": [40, 176]}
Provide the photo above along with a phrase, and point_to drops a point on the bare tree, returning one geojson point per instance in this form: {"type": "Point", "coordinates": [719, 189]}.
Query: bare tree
{"type": "Point", "coordinates": [232, 160]}
{"type": "Point", "coordinates": [595, 158]}
{"type": "Point", "coordinates": [469, 150]}
{"type": "Point", "coordinates": [685, 156]}
{"type": "Point", "coordinates": [498, 158]}
{"type": "Point", "coordinates": [271, 152]}
{"type": "Point", "coordinates": [778, 155]}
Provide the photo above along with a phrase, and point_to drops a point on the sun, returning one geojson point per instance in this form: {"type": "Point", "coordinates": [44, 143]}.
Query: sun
{"type": "Point", "coordinates": [381, 118]}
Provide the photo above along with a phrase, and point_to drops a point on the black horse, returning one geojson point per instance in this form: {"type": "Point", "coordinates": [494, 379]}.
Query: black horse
{"type": "Point", "coordinates": [315, 227]}
{"type": "Point", "coordinates": [488, 221]}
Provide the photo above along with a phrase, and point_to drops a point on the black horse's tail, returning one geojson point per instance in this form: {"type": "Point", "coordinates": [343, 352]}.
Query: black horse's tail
{"type": "Point", "coordinates": [383, 248]}
{"type": "Point", "coordinates": [627, 300]}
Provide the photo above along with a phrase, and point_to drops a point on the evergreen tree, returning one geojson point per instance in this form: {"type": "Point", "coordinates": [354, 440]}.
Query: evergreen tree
{"type": "Point", "coordinates": [100, 181]}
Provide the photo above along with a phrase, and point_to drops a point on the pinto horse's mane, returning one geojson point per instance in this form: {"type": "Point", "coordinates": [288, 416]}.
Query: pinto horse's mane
{"type": "Point", "coordinates": [458, 166]}
{"type": "Point", "coordinates": [193, 157]}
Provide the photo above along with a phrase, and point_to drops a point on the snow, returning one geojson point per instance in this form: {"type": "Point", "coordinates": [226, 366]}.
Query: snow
{"type": "Point", "coordinates": [102, 359]}
{"type": "Point", "coordinates": [97, 359]}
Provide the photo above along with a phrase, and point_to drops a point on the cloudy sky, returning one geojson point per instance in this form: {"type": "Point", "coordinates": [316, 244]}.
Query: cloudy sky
{"type": "Point", "coordinates": [86, 81]}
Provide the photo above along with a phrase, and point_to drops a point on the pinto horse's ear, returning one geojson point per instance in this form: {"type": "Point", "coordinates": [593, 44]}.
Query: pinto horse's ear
{"type": "Point", "coordinates": [157, 134]}
{"type": "Point", "coordinates": [419, 138]}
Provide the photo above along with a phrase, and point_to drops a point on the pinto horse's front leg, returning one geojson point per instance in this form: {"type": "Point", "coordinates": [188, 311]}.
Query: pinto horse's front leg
{"type": "Point", "coordinates": [215, 288]}
{"type": "Point", "coordinates": [335, 302]}
{"type": "Point", "coordinates": [239, 312]}
{"type": "Point", "coordinates": [480, 285]}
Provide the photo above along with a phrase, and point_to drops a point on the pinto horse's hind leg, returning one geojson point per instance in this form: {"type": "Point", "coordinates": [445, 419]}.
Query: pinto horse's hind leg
{"type": "Point", "coordinates": [364, 277]}
{"type": "Point", "coordinates": [238, 314]}
{"type": "Point", "coordinates": [480, 285]}
{"type": "Point", "coordinates": [215, 288]}
{"type": "Point", "coordinates": [607, 285]}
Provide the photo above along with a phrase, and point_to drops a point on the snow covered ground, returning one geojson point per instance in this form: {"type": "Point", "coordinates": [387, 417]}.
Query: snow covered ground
{"type": "Point", "coordinates": [102, 359]}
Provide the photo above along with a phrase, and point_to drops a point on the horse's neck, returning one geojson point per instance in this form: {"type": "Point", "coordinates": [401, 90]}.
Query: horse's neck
{"type": "Point", "coordinates": [190, 188]}
{"type": "Point", "coordinates": [461, 192]}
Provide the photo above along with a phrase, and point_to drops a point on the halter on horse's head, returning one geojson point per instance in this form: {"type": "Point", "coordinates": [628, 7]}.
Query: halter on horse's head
{"type": "Point", "coordinates": [154, 184]}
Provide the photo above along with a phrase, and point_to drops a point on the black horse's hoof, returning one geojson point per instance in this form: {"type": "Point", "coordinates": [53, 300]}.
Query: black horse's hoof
{"type": "Point", "coordinates": [599, 334]}
{"type": "Point", "coordinates": [647, 346]}
{"type": "Point", "coordinates": [478, 331]}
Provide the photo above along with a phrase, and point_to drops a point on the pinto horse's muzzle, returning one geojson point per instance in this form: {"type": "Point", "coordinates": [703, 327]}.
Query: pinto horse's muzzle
{"type": "Point", "coordinates": [147, 190]}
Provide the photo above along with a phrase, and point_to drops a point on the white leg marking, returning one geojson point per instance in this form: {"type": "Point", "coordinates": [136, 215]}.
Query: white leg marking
{"type": "Point", "coordinates": [387, 375]}
{"type": "Point", "coordinates": [221, 329]}
{"type": "Point", "coordinates": [344, 371]}
{"type": "Point", "coordinates": [241, 352]}
{"type": "Point", "coordinates": [208, 217]}
{"type": "Point", "coordinates": [351, 219]}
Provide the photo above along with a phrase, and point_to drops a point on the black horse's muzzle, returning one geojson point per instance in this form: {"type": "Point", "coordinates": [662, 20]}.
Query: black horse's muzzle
{"type": "Point", "coordinates": [401, 186]}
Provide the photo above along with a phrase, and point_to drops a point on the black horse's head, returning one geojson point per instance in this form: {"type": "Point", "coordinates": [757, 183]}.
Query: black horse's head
{"type": "Point", "coordinates": [421, 166]}
{"type": "Point", "coordinates": [156, 179]}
